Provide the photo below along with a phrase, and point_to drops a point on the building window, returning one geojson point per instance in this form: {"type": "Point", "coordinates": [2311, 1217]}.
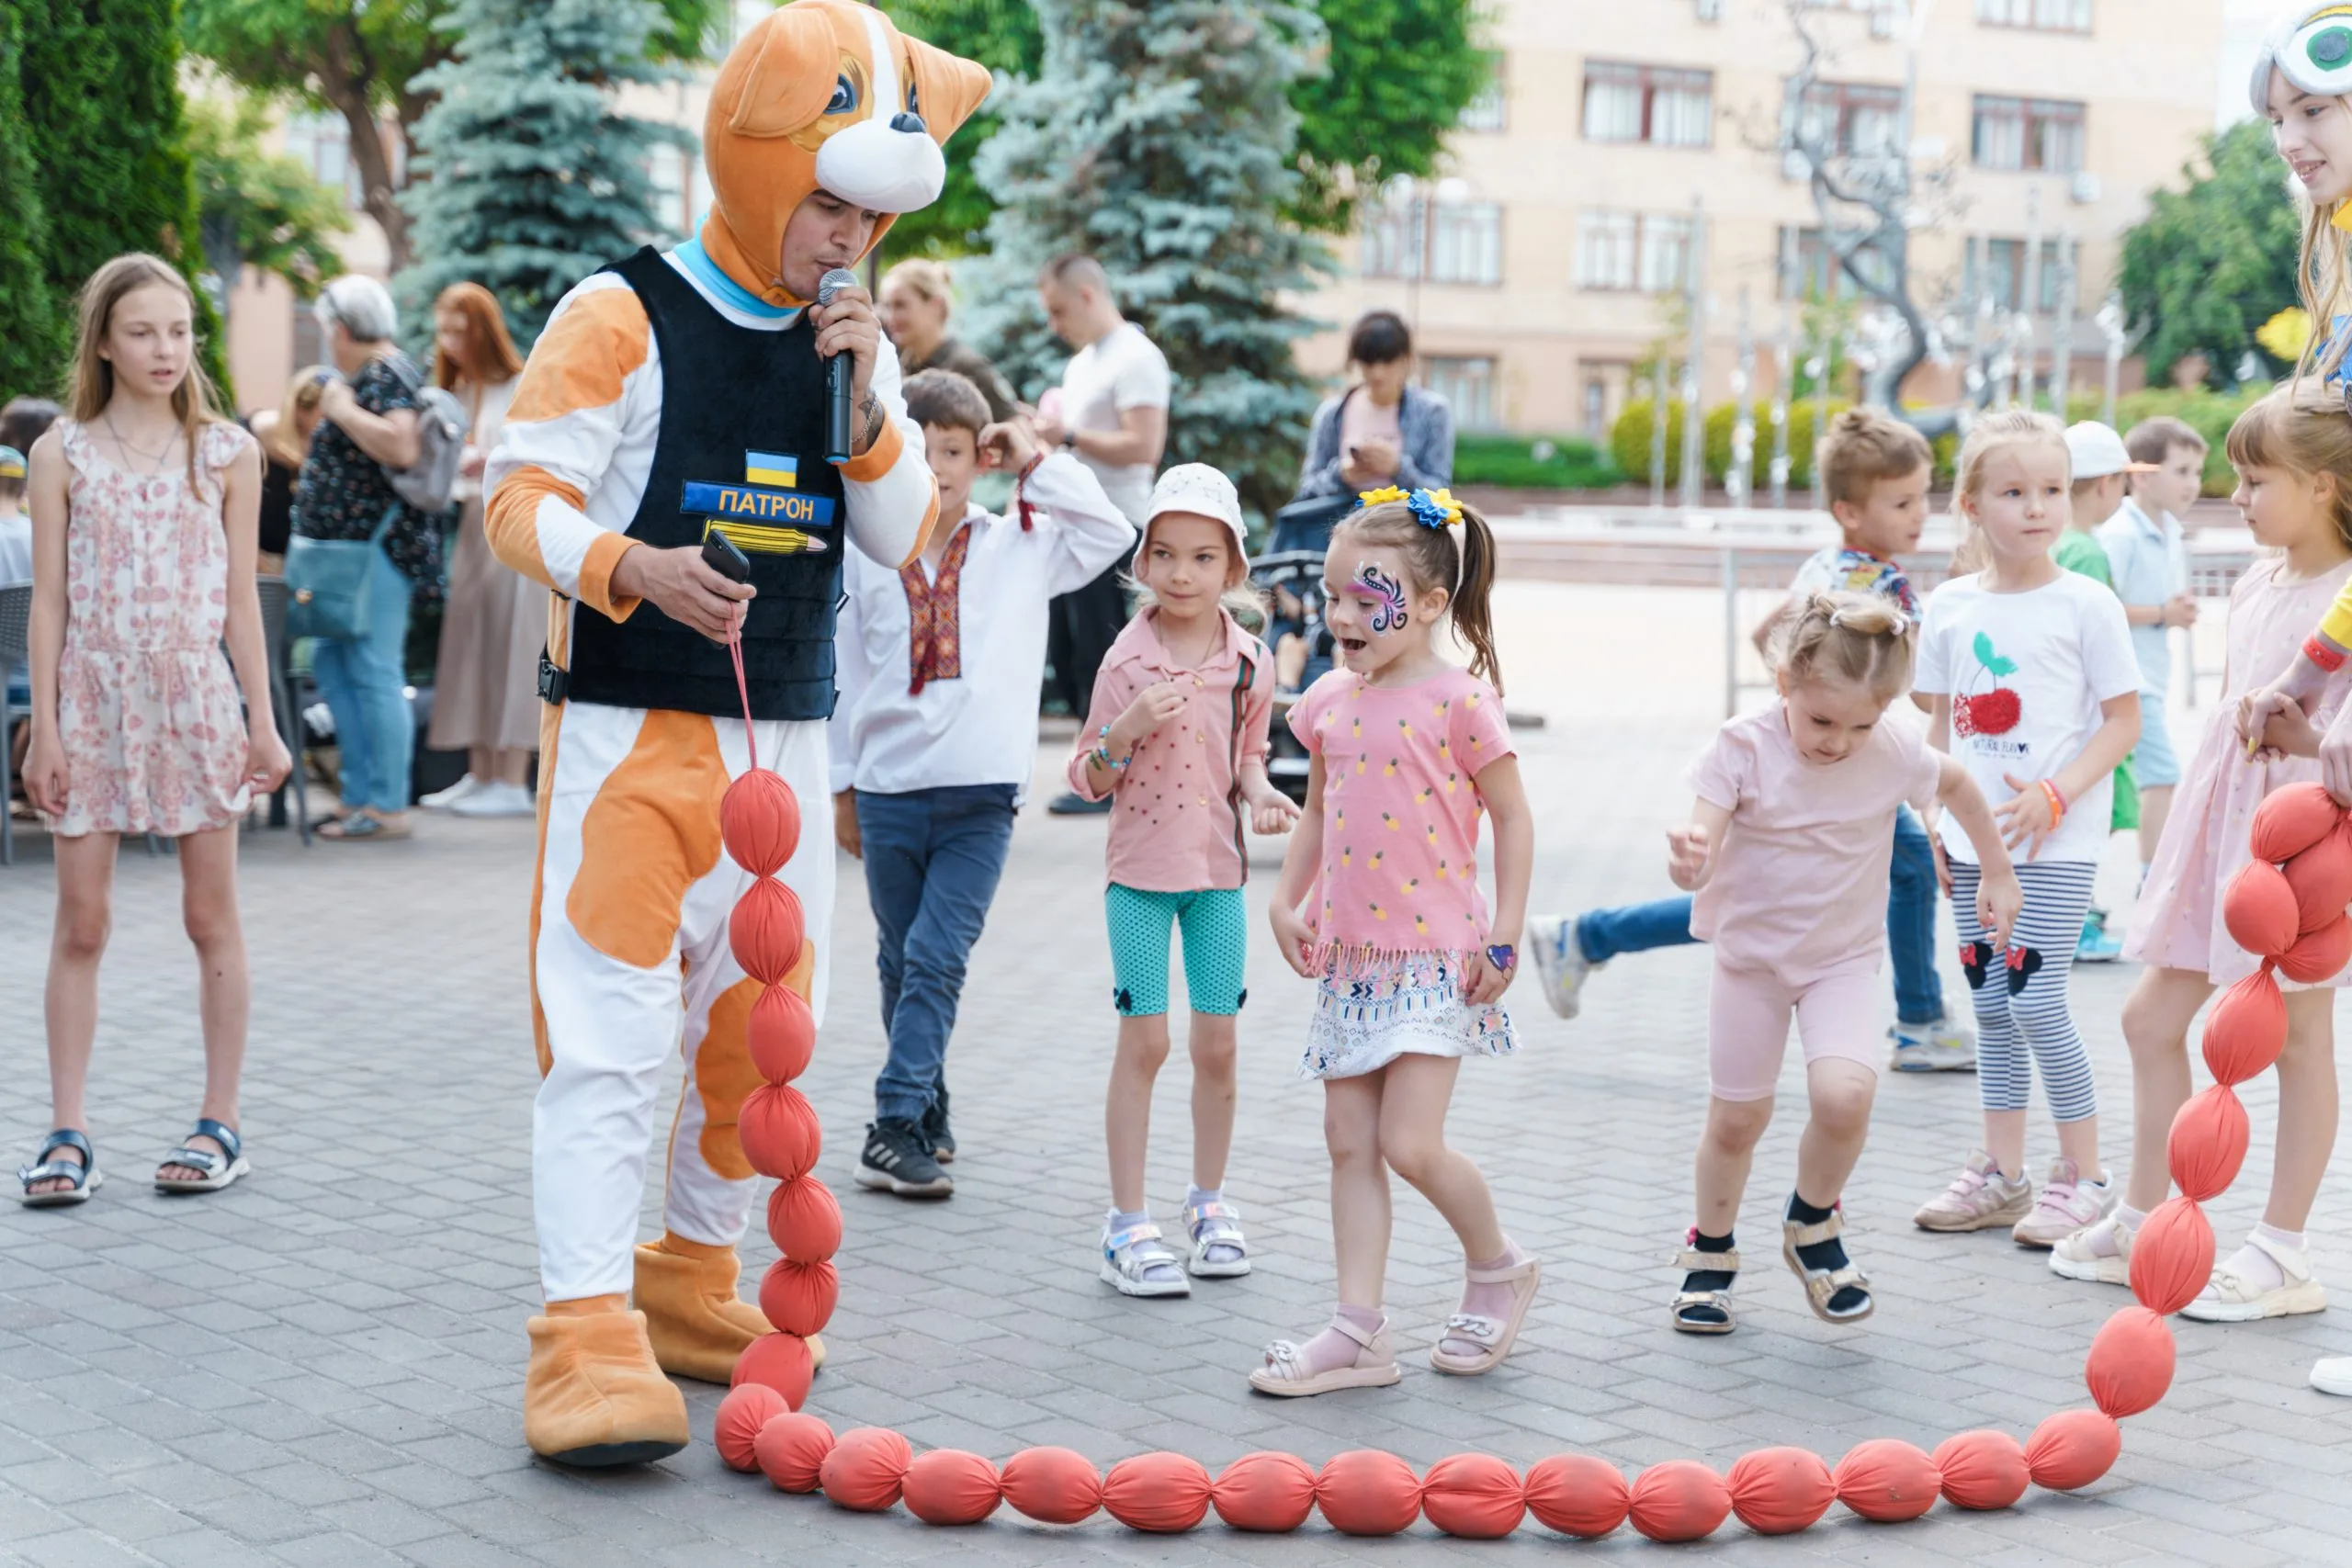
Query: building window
{"type": "Point", "coordinates": [1644, 103]}
{"type": "Point", "coordinates": [2001, 274]}
{"type": "Point", "coordinates": [1632, 252]}
{"type": "Point", "coordinates": [1469, 386]}
{"type": "Point", "coordinates": [1484, 112]}
{"type": "Point", "coordinates": [1852, 119]}
{"type": "Point", "coordinates": [1444, 242]}
{"type": "Point", "coordinates": [665, 168]}
{"type": "Point", "coordinates": [322, 143]}
{"type": "Point", "coordinates": [2045, 15]}
{"type": "Point", "coordinates": [1466, 242]}
{"type": "Point", "coordinates": [1809, 269]}
{"type": "Point", "coordinates": [2043, 134]}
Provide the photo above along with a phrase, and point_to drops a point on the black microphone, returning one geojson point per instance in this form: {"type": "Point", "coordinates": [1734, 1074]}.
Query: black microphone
{"type": "Point", "coordinates": [838, 369]}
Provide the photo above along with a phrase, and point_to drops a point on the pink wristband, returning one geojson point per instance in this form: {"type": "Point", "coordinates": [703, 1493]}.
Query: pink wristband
{"type": "Point", "coordinates": [2318, 653]}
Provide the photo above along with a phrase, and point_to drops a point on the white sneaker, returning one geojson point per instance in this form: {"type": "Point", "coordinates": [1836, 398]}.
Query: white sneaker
{"type": "Point", "coordinates": [2098, 1254]}
{"type": "Point", "coordinates": [496, 800]}
{"type": "Point", "coordinates": [1942, 1046]}
{"type": "Point", "coordinates": [2333, 1375]}
{"type": "Point", "coordinates": [1560, 962]}
{"type": "Point", "coordinates": [443, 799]}
{"type": "Point", "coordinates": [2069, 1203]}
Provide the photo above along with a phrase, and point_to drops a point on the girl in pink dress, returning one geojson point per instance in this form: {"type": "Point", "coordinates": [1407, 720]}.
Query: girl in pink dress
{"type": "Point", "coordinates": [1379, 903]}
{"type": "Point", "coordinates": [145, 506]}
{"type": "Point", "coordinates": [1787, 849]}
{"type": "Point", "coordinates": [2293, 455]}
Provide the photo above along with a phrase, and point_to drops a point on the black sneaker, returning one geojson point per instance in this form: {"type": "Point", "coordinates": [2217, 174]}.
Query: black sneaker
{"type": "Point", "coordinates": [935, 1130]}
{"type": "Point", "coordinates": [898, 1159]}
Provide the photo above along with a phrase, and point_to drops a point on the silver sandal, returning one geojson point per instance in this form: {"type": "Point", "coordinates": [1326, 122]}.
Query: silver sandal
{"type": "Point", "coordinates": [219, 1169]}
{"type": "Point", "coordinates": [85, 1175]}
{"type": "Point", "coordinates": [1129, 1255]}
{"type": "Point", "coordinates": [1212, 1225]}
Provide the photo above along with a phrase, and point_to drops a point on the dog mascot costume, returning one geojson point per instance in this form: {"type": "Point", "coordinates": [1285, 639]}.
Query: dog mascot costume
{"type": "Point", "coordinates": [674, 395]}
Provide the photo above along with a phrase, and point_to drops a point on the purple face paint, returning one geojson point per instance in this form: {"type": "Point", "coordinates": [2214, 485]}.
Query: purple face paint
{"type": "Point", "coordinates": [1385, 594]}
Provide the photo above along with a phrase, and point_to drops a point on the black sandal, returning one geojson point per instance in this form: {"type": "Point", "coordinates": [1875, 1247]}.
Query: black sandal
{"type": "Point", "coordinates": [85, 1176]}
{"type": "Point", "coordinates": [219, 1169]}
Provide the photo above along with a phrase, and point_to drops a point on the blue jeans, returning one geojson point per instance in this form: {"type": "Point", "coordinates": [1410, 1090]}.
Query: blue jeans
{"type": "Point", "coordinates": [365, 684]}
{"type": "Point", "coordinates": [933, 857]}
{"type": "Point", "coordinates": [1911, 894]}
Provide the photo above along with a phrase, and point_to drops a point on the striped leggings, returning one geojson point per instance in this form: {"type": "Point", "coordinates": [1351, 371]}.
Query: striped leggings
{"type": "Point", "coordinates": [2021, 997]}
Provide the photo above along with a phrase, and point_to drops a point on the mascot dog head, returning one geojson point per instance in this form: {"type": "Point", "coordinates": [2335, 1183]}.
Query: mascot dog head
{"type": "Point", "coordinates": [825, 94]}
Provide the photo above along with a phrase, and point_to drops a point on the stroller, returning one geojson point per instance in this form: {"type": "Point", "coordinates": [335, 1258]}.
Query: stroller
{"type": "Point", "coordinates": [1291, 573]}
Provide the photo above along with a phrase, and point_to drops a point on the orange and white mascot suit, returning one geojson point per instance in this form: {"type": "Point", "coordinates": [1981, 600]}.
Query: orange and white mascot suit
{"type": "Point", "coordinates": [673, 396]}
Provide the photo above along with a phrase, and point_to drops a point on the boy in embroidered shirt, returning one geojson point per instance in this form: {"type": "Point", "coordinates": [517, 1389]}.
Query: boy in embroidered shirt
{"type": "Point", "coordinates": [2150, 561]}
{"type": "Point", "coordinates": [935, 735]}
{"type": "Point", "coordinates": [2103, 471]}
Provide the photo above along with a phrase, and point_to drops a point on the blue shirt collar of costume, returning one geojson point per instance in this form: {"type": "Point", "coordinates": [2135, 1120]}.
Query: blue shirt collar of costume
{"type": "Point", "coordinates": [714, 279]}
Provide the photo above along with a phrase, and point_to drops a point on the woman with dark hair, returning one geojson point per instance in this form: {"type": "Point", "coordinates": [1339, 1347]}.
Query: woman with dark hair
{"type": "Point", "coordinates": [1383, 429]}
{"type": "Point", "coordinates": [486, 679]}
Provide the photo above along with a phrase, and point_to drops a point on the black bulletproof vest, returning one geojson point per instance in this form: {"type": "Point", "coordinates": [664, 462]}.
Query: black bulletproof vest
{"type": "Point", "coordinates": [741, 453]}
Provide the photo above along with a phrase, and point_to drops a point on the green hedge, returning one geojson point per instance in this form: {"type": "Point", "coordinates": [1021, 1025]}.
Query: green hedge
{"type": "Point", "coordinates": [1532, 462]}
{"type": "Point", "coordinates": [1629, 441]}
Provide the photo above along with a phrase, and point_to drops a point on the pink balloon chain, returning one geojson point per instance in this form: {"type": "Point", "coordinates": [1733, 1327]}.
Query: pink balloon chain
{"type": "Point", "coordinates": [759, 821]}
{"type": "Point", "coordinates": [2288, 906]}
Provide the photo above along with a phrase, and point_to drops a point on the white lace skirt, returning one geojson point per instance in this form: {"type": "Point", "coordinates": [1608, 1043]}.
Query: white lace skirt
{"type": "Point", "coordinates": [1369, 1012]}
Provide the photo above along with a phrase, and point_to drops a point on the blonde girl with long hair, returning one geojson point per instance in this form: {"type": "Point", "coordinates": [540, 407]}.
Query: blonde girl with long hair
{"type": "Point", "coordinates": [2032, 686]}
{"type": "Point", "coordinates": [144, 502]}
{"type": "Point", "coordinates": [2293, 455]}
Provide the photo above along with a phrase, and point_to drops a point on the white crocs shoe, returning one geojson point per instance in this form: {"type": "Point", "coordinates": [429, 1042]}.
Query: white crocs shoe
{"type": "Point", "coordinates": [1136, 1262]}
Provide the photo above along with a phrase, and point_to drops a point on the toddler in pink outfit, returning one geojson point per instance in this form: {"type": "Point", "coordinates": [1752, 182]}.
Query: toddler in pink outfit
{"type": "Point", "coordinates": [1787, 851]}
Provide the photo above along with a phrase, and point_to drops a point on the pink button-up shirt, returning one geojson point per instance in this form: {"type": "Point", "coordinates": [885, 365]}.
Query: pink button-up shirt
{"type": "Point", "coordinates": [1176, 819]}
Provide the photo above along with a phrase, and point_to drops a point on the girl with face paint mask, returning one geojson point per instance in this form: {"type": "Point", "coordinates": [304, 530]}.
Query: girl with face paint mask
{"type": "Point", "coordinates": [1380, 903]}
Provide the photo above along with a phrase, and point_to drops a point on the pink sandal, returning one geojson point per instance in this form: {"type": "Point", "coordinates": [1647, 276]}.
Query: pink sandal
{"type": "Point", "coordinates": [1286, 1374]}
{"type": "Point", "coordinates": [1496, 1337]}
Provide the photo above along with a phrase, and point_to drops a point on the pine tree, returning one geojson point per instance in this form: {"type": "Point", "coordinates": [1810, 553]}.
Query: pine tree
{"type": "Point", "coordinates": [32, 339]}
{"type": "Point", "coordinates": [102, 112]}
{"type": "Point", "coordinates": [1159, 138]}
{"type": "Point", "coordinates": [535, 179]}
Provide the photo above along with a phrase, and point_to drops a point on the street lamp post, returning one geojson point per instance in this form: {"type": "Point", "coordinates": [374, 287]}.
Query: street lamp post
{"type": "Point", "coordinates": [1694, 431]}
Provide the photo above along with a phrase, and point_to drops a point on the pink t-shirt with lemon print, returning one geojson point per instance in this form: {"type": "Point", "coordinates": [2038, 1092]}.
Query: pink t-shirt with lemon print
{"type": "Point", "coordinates": [1401, 810]}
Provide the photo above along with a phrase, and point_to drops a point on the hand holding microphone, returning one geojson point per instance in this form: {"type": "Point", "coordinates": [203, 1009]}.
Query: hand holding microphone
{"type": "Point", "coordinates": [849, 338]}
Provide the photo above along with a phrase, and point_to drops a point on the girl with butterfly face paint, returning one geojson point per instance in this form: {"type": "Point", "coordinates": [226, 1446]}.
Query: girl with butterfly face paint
{"type": "Point", "coordinates": [1380, 903]}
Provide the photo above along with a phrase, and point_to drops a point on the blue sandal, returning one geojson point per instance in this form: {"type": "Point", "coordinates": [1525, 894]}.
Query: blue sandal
{"type": "Point", "coordinates": [219, 1169]}
{"type": "Point", "coordinates": [85, 1175]}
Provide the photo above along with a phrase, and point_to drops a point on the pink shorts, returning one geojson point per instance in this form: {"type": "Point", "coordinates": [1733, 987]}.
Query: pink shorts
{"type": "Point", "coordinates": [1748, 1024]}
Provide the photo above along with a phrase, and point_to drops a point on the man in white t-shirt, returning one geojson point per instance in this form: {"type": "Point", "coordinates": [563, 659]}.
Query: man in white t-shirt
{"type": "Point", "coordinates": [1112, 415]}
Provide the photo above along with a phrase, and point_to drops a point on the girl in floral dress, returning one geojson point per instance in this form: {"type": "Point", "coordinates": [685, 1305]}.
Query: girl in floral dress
{"type": "Point", "coordinates": [145, 505]}
{"type": "Point", "coordinates": [1379, 902]}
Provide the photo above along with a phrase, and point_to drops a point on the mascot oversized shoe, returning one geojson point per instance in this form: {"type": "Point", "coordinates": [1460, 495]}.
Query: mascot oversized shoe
{"type": "Point", "coordinates": [698, 1325]}
{"type": "Point", "coordinates": [594, 1396]}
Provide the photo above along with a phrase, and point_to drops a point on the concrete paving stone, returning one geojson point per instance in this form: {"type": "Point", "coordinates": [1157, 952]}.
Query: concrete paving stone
{"type": "Point", "coordinates": [361, 1343]}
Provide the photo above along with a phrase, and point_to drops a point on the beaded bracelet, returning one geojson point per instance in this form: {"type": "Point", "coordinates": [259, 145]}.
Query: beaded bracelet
{"type": "Point", "coordinates": [2328, 658]}
{"type": "Point", "coordinates": [2057, 804]}
{"type": "Point", "coordinates": [1102, 752]}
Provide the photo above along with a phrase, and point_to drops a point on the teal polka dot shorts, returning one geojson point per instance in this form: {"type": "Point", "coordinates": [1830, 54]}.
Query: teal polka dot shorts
{"type": "Point", "coordinates": [1214, 923]}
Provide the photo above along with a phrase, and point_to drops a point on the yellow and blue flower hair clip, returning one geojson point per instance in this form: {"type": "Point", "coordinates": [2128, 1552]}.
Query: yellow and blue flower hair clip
{"type": "Point", "coordinates": [1435, 508]}
{"type": "Point", "coordinates": [1378, 497]}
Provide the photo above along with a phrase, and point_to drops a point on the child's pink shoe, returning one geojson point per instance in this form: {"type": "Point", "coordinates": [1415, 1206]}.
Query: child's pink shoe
{"type": "Point", "coordinates": [1291, 1371]}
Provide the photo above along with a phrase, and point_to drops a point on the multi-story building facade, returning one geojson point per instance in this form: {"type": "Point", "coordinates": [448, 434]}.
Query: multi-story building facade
{"type": "Point", "coordinates": [1556, 252]}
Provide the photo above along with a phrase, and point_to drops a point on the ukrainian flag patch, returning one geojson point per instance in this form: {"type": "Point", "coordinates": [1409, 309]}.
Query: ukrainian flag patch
{"type": "Point", "coordinates": [772, 468]}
